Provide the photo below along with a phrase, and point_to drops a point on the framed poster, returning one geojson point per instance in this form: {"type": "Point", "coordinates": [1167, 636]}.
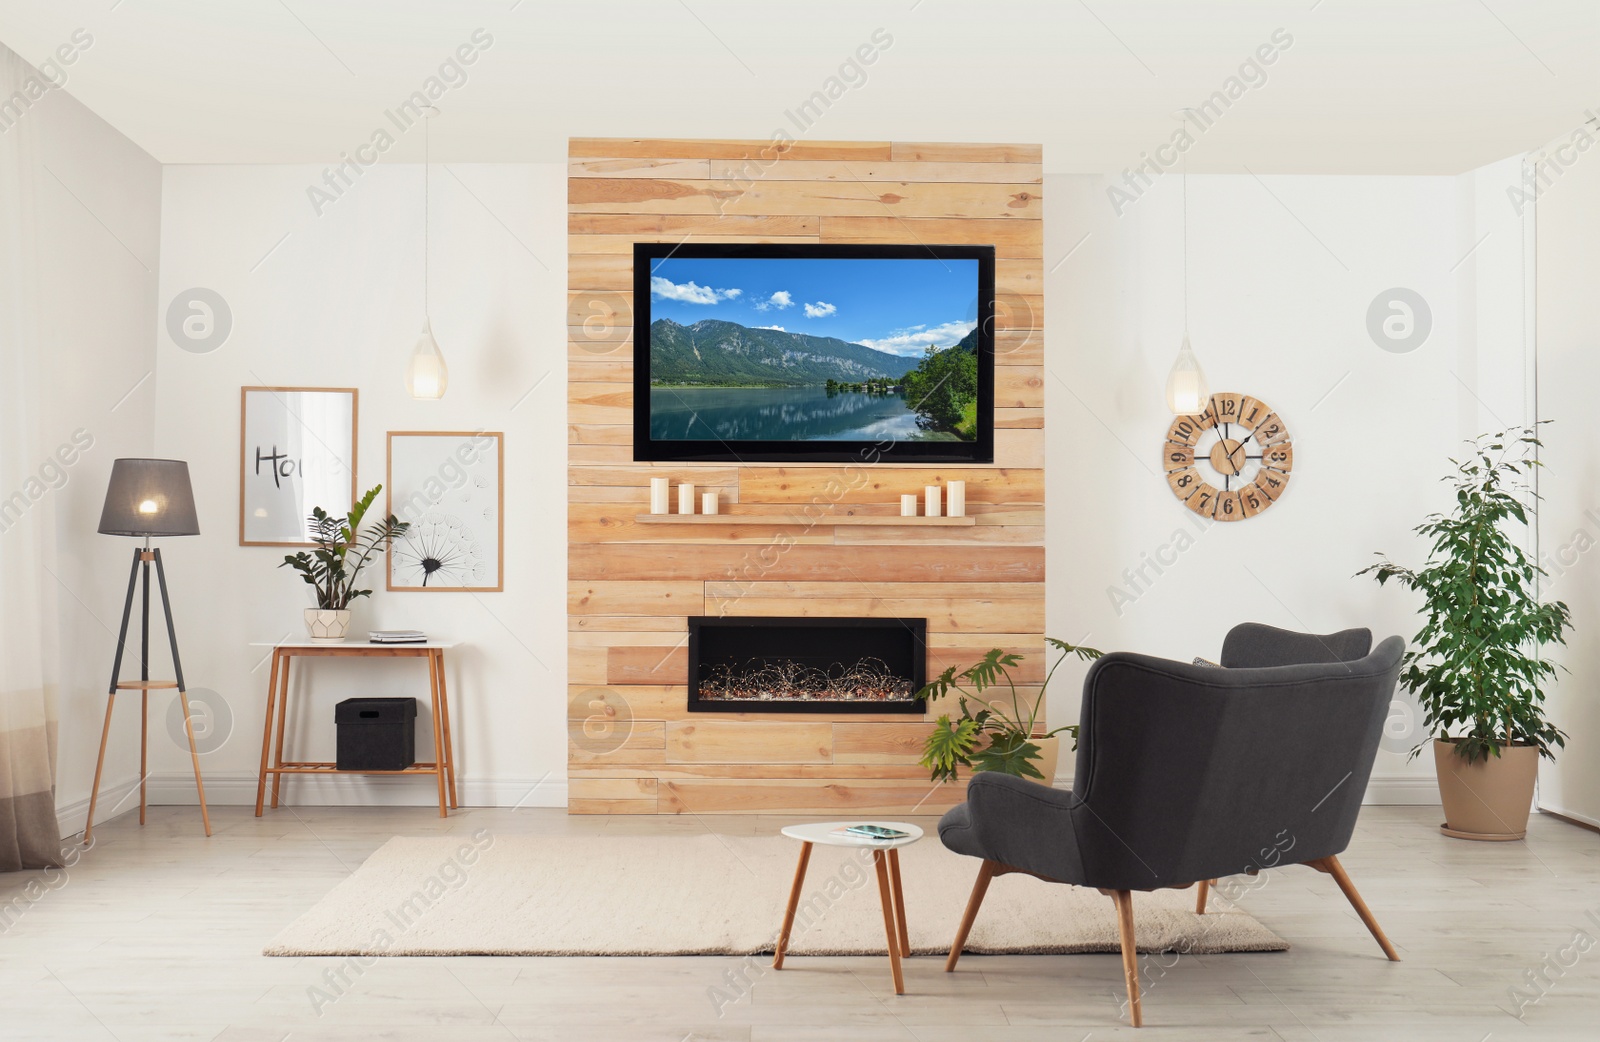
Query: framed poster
{"type": "Point", "coordinates": [297, 450]}
{"type": "Point", "coordinates": [450, 487]}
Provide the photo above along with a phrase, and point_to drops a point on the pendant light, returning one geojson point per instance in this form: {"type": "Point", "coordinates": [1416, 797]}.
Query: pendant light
{"type": "Point", "coordinates": [426, 376]}
{"type": "Point", "coordinates": [1187, 391]}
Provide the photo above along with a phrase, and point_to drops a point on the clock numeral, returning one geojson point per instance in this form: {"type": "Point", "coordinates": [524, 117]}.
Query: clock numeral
{"type": "Point", "coordinates": [1271, 431]}
{"type": "Point", "coordinates": [1272, 483]}
{"type": "Point", "coordinates": [1228, 507]}
{"type": "Point", "coordinates": [1225, 407]}
{"type": "Point", "coordinates": [1278, 457]}
{"type": "Point", "coordinates": [1251, 412]}
{"type": "Point", "coordinates": [1184, 482]}
{"type": "Point", "coordinates": [1176, 455]}
{"type": "Point", "coordinates": [1203, 501]}
{"type": "Point", "coordinates": [1185, 430]}
{"type": "Point", "coordinates": [1251, 501]}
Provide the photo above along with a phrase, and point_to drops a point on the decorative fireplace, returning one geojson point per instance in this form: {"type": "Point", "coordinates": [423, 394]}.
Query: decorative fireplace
{"type": "Point", "coordinates": [824, 665]}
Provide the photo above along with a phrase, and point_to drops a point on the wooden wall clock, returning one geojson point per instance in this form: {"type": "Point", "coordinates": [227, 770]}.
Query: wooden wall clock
{"type": "Point", "coordinates": [1231, 461]}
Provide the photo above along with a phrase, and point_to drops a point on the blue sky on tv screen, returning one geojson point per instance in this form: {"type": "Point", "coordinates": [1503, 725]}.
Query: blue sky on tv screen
{"type": "Point", "coordinates": [899, 306]}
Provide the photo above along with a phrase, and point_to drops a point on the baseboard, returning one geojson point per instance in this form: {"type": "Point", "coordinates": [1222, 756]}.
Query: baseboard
{"type": "Point", "coordinates": [1571, 817]}
{"type": "Point", "coordinates": [1393, 790]}
{"type": "Point", "coordinates": [1401, 790]}
{"type": "Point", "coordinates": [116, 799]}
{"type": "Point", "coordinates": [238, 789]}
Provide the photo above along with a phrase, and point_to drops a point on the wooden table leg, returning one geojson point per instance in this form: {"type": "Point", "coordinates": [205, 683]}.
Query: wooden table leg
{"type": "Point", "coordinates": [266, 733]}
{"type": "Point", "coordinates": [886, 899]}
{"type": "Point", "coordinates": [99, 764]}
{"type": "Point", "coordinates": [449, 741]}
{"type": "Point", "coordinates": [899, 902]}
{"type": "Point", "coordinates": [1202, 890]}
{"type": "Point", "coordinates": [794, 902]}
{"type": "Point", "coordinates": [438, 735]}
{"type": "Point", "coordinates": [283, 715]}
{"type": "Point", "coordinates": [144, 748]}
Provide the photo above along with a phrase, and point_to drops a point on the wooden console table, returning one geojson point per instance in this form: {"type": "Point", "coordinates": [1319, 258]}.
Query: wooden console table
{"type": "Point", "coordinates": [443, 769]}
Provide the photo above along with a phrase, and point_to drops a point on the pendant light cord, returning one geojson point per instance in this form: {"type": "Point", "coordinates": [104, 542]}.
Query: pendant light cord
{"type": "Point", "coordinates": [1185, 178]}
{"type": "Point", "coordinates": [427, 152]}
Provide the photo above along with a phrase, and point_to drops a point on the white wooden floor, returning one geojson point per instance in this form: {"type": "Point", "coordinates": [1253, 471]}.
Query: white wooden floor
{"type": "Point", "coordinates": [155, 934]}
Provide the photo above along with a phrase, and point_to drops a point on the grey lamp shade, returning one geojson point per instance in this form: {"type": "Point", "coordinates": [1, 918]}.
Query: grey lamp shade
{"type": "Point", "coordinates": [149, 497]}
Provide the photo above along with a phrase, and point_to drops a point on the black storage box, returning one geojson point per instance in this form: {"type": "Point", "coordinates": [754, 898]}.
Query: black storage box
{"type": "Point", "coordinates": [376, 734]}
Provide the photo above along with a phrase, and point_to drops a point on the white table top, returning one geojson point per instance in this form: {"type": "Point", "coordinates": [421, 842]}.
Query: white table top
{"type": "Point", "coordinates": [822, 832]}
{"type": "Point", "coordinates": [354, 644]}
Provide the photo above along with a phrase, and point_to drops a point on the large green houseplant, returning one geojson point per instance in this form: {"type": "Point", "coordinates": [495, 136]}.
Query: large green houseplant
{"type": "Point", "coordinates": [332, 568]}
{"type": "Point", "coordinates": [995, 733]}
{"type": "Point", "coordinates": [1475, 666]}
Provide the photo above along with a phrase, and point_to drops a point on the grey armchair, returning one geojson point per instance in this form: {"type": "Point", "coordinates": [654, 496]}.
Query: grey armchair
{"type": "Point", "coordinates": [1186, 773]}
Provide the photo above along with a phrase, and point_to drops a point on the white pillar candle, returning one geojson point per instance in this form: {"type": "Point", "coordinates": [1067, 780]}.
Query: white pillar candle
{"type": "Point", "coordinates": [708, 502]}
{"type": "Point", "coordinates": [660, 495]}
{"type": "Point", "coordinates": [955, 498]}
{"type": "Point", "coordinates": [686, 498]}
{"type": "Point", "coordinates": [908, 505]}
{"type": "Point", "coordinates": [930, 494]}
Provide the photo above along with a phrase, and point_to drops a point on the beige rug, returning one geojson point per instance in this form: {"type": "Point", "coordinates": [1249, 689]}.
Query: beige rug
{"type": "Point", "coordinates": [714, 895]}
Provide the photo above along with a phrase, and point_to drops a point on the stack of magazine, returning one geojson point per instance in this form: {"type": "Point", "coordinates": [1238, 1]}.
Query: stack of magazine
{"type": "Point", "coordinates": [397, 637]}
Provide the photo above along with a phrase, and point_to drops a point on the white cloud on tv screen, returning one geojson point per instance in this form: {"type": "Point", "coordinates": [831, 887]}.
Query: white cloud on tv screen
{"type": "Point", "coordinates": [913, 340]}
{"type": "Point", "coordinates": [689, 292]}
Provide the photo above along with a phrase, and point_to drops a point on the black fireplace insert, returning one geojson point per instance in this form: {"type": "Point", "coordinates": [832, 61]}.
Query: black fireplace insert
{"type": "Point", "coordinates": [822, 665]}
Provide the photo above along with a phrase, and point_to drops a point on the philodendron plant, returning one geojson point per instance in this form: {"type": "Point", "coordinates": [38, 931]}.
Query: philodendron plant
{"type": "Point", "coordinates": [1476, 668]}
{"type": "Point", "coordinates": [331, 569]}
{"type": "Point", "coordinates": [992, 734]}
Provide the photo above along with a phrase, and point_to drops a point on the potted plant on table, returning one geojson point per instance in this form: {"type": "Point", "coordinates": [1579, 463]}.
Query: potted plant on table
{"type": "Point", "coordinates": [1476, 669]}
{"type": "Point", "coordinates": [333, 567]}
{"type": "Point", "coordinates": [996, 733]}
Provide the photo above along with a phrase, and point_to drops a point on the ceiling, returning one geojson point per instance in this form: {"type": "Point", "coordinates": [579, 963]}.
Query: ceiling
{"type": "Point", "coordinates": [1363, 86]}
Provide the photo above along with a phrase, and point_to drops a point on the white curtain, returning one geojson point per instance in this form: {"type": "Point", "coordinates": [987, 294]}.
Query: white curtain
{"type": "Point", "coordinates": [28, 834]}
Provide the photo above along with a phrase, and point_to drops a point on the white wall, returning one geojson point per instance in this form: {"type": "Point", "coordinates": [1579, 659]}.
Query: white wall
{"type": "Point", "coordinates": [1281, 270]}
{"type": "Point", "coordinates": [336, 300]}
{"type": "Point", "coordinates": [99, 200]}
{"type": "Point", "coordinates": [1568, 324]}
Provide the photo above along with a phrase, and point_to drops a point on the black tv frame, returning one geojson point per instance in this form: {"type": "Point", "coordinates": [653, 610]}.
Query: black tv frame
{"type": "Point", "coordinates": [645, 449]}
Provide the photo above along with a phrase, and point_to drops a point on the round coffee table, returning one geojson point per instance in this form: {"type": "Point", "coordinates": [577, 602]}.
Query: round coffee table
{"type": "Point", "coordinates": [885, 857]}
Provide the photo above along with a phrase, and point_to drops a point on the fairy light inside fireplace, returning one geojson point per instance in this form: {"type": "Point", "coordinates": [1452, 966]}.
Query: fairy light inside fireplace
{"type": "Point", "coordinates": [741, 665]}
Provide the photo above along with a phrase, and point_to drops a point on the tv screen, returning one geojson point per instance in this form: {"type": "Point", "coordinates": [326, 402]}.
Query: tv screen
{"type": "Point", "coordinates": [768, 353]}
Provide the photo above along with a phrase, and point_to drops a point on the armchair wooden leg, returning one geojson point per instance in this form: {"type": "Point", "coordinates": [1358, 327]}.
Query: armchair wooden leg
{"type": "Point", "coordinates": [1123, 899]}
{"type": "Point", "coordinates": [1331, 866]}
{"type": "Point", "coordinates": [1202, 891]}
{"type": "Point", "coordinates": [979, 888]}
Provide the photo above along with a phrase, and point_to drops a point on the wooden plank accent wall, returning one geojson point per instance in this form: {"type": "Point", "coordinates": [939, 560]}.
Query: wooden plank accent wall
{"type": "Point", "coordinates": [633, 746]}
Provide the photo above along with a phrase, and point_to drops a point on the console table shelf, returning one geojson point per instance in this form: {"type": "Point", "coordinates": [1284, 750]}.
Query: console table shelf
{"type": "Point", "coordinates": [796, 519]}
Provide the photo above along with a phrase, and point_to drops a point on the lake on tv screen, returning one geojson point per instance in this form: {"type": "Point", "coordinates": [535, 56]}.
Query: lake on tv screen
{"type": "Point", "coordinates": [783, 349]}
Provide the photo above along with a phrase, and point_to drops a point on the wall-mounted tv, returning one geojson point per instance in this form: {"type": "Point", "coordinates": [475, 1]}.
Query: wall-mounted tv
{"type": "Point", "coordinates": [769, 353]}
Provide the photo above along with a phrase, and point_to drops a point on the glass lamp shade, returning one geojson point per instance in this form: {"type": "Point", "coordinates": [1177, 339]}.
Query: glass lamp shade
{"type": "Point", "coordinates": [1187, 390]}
{"type": "Point", "coordinates": [427, 376]}
{"type": "Point", "coordinates": [149, 497]}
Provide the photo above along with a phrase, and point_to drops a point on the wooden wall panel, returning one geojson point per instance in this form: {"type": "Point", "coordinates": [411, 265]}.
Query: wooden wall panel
{"type": "Point", "coordinates": [633, 746]}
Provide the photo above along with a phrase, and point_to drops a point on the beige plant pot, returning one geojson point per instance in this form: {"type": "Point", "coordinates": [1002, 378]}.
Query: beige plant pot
{"type": "Point", "coordinates": [1049, 756]}
{"type": "Point", "coordinates": [327, 626]}
{"type": "Point", "coordinates": [1489, 798]}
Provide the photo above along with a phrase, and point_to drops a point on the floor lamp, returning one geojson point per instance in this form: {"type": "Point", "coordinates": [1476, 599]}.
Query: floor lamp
{"type": "Point", "coordinates": [147, 497]}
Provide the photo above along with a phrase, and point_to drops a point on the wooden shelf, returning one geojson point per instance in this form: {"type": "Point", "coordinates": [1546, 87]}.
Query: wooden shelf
{"type": "Point", "coordinates": [827, 520]}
